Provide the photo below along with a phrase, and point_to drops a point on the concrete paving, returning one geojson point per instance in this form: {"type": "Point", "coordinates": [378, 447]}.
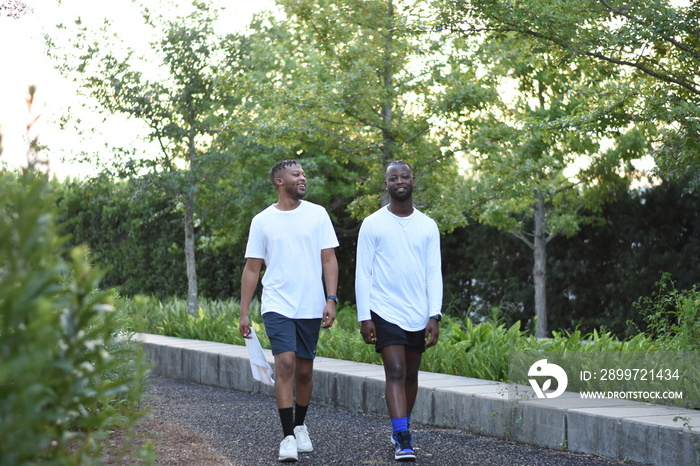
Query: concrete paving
{"type": "Point", "coordinates": [618, 429]}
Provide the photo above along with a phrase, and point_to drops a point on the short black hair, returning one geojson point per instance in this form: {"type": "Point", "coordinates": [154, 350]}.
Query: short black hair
{"type": "Point", "coordinates": [398, 162]}
{"type": "Point", "coordinates": [282, 164]}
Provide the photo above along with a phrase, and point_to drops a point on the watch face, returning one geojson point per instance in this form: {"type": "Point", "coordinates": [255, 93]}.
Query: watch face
{"type": "Point", "coordinates": [437, 317]}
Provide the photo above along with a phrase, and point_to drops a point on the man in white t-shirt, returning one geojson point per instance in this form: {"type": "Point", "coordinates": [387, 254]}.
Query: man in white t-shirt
{"type": "Point", "coordinates": [398, 286]}
{"type": "Point", "coordinates": [296, 241]}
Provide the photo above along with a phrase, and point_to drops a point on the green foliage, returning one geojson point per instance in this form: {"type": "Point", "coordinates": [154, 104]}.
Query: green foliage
{"type": "Point", "coordinates": [215, 320]}
{"type": "Point", "coordinates": [596, 341]}
{"type": "Point", "coordinates": [527, 176]}
{"type": "Point", "coordinates": [653, 49]}
{"type": "Point", "coordinates": [68, 375]}
{"type": "Point", "coordinates": [598, 274]}
{"type": "Point", "coordinates": [135, 233]}
{"type": "Point", "coordinates": [479, 351]}
{"type": "Point", "coordinates": [573, 103]}
{"type": "Point", "coordinates": [466, 349]}
{"type": "Point", "coordinates": [672, 316]}
{"type": "Point", "coordinates": [343, 86]}
{"type": "Point", "coordinates": [594, 277]}
{"type": "Point", "coordinates": [184, 107]}
{"type": "Point", "coordinates": [355, 82]}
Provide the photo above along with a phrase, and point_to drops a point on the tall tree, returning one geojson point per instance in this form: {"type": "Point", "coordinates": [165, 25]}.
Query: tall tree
{"type": "Point", "coordinates": [180, 101]}
{"type": "Point", "coordinates": [530, 177]}
{"type": "Point", "coordinates": [356, 82]}
{"type": "Point", "coordinates": [652, 46]}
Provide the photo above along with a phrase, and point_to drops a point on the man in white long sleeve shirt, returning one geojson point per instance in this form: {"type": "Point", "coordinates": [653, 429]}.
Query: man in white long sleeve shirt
{"type": "Point", "coordinates": [398, 283]}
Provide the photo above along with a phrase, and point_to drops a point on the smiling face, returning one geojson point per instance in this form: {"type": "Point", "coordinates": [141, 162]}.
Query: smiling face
{"type": "Point", "coordinates": [399, 181]}
{"type": "Point", "coordinates": [291, 181]}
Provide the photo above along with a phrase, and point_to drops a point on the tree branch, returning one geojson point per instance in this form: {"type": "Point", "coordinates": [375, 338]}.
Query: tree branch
{"type": "Point", "coordinates": [666, 78]}
{"type": "Point", "coordinates": [508, 27]}
{"type": "Point", "coordinates": [667, 38]}
{"type": "Point", "coordinates": [524, 239]}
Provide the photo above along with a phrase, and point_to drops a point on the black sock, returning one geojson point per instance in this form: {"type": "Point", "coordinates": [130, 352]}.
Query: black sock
{"type": "Point", "coordinates": [300, 415]}
{"type": "Point", "coordinates": [287, 418]}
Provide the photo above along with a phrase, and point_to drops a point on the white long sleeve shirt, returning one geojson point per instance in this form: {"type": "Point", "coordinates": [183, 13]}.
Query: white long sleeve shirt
{"type": "Point", "coordinates": [398, 274]}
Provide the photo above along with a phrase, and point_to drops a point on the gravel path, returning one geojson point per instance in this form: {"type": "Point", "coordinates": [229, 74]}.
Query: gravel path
{"type": "Point", "coordinates": [245, 428]}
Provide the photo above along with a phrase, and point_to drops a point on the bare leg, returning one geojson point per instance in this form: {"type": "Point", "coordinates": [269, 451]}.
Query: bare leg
{"type": "Point", "coordinates": [285, 367]}
{"type": "Point", "coordinates": [304, 380]}
{"type": "Point", "coordinates": [413, 360]}
{"type": "Point", "coordinates": [394, 357]}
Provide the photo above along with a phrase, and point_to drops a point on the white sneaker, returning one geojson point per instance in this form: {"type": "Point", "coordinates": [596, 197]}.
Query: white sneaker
{"type": "Point", "coordinates": [288, 449]}
{"type": "Point", "coordinates": [303, 440]}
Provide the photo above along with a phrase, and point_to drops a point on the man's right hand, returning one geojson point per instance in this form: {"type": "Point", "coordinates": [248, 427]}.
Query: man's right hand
{"type": "Point", "coordinates": [244, 327]}
{"type": "Point", "coordinates": [369, 332]}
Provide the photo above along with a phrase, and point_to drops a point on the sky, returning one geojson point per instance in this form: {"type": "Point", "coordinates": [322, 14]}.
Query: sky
{"type": "Point", "coordinates": [23, 63]}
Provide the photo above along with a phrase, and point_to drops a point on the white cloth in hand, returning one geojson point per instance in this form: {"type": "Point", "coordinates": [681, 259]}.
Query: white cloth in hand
{"type": "Point", "coordinates": [261, 369]}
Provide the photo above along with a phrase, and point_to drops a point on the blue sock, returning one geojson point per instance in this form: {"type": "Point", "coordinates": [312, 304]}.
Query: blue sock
{"type": "Point", "coordinates": [408, 419]}
{"type": "Point", "coordinates": [399, 424]}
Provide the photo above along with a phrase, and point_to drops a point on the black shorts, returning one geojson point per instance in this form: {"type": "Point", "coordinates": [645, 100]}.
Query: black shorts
{"type": "Point", "coordinates": [391, 334]}
{"type": "Point", "coordinates": [298, 335]}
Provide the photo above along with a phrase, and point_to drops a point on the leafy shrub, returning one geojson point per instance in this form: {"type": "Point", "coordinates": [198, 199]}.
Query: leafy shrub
{"type": "Point", "coordinates": [216, 320]}
{"type": "Point", "coordinates": [672, 316]}
{"type": "Point", "coordinates": [481, 350]}
{"type": "Point", "coordinates": [472, 350]}
{"type": "Point", "coordinates": [67, 376]}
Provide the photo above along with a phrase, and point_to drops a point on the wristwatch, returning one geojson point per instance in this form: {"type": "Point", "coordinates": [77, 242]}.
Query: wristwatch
{"type": "Point", "coordinates": [333, 297]}
{"type": "Point", "coordinates": [437, 317]}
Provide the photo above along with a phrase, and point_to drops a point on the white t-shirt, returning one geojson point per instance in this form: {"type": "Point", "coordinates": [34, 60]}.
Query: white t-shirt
{"type": "Point", "coordinates": [290, 242]}
{"type": "Point", "coordinates": [398, 274]}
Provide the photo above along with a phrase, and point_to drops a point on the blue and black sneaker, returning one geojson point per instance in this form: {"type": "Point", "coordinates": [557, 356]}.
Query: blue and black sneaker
{"type": "Point", "coordinates": [404, 446]}
{"type": "Point", "coordinates": [395, 442]}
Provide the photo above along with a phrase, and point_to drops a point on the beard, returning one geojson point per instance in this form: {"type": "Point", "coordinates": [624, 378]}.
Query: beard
{"type": "Point", "coordinates": [406, 195]}
{"type": "Point", "coordinates": [295, 193]}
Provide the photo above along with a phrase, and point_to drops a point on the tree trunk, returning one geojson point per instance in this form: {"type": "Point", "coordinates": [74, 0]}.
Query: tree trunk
{"type": "Point", "coordinates": [539, 270]}
{"type": "Point", "coordinates": [387, 110]}
{"type": "Point", "coordinates": [192, 299]}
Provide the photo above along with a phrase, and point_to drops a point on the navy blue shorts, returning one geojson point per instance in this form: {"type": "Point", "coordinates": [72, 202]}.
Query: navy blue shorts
{"type": "Point", "coordinates": [392, 334]}
{"type": "Point", "coordinates": [298, 335]}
